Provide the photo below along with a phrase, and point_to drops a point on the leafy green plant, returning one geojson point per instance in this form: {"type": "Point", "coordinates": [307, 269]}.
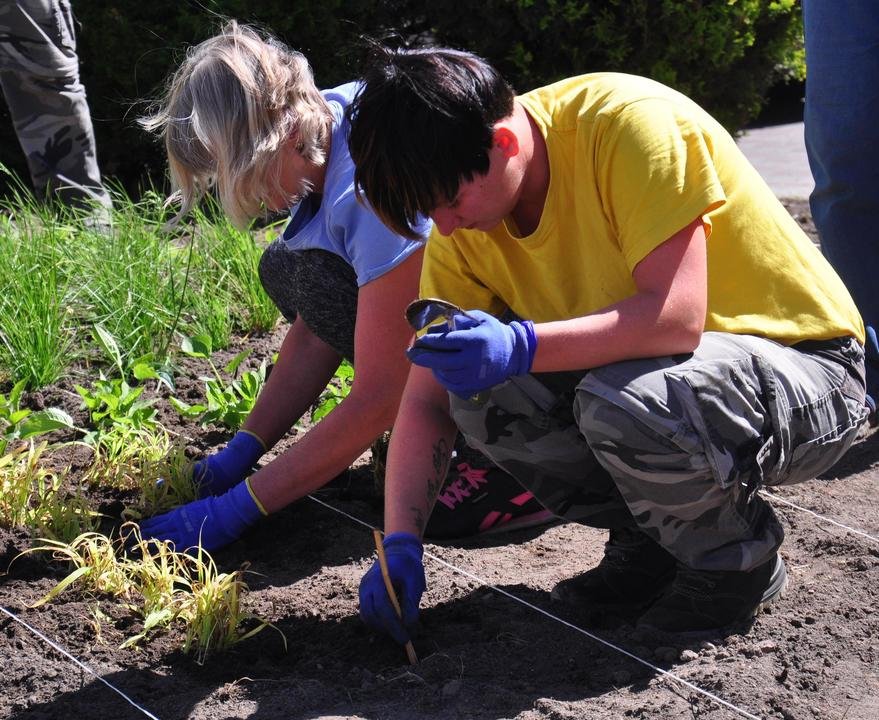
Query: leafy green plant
{"type": "Point", "coordinates": [336, 391]}
{"type": "Point", "coordinates": [142, 368]}
{"type": "Point", "coordinates": [17, 423]}
{"type": "Point", "coordinates": [230, 403]}
{"type": "Point", "coordinates": [113, 402]}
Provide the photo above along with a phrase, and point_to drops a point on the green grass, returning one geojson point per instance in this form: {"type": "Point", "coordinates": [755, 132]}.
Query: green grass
{"type": "Point", "coordinates": [63, 276]}
{"type": "Point", "coordinates": [37, 329]}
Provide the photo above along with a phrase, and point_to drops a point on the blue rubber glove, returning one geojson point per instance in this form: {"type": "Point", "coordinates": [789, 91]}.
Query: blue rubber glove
{"type": "Point", "coordinates": [228, 467]}
{"type": "Point", "coordinates": [218, 520]}
{"type": "Point", "coordinates": [479, 353]}
{"type": "Point", "coordinates": [403, 552]}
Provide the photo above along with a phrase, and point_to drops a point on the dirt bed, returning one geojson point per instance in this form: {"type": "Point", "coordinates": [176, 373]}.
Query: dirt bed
{"type": "Point", "coordinates": [485, 652]}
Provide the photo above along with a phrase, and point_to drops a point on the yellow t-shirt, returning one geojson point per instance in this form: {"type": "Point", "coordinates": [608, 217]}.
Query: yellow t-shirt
{"type": "Point", "coordinates": [632, 162]}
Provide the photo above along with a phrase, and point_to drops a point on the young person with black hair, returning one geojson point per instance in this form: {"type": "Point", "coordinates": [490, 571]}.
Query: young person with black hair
{"type": "Point", "coordinates": [648, 337]}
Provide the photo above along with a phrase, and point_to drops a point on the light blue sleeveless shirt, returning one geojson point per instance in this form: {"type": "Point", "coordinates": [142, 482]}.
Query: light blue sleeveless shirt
{"type": "Point", "coordinates": [341, 224]}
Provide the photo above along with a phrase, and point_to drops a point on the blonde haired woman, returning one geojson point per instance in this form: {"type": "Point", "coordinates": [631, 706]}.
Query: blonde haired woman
{"type": "Point", "coordinates": [243, 115]}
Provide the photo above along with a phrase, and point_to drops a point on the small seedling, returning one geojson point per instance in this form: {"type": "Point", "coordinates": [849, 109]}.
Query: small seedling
{"type": "Point", "coordinates": [213, 614]}
{"type": "Point", "coordinates": [336, 391]}
{"type": "Point", "coordinates": [226, 404]}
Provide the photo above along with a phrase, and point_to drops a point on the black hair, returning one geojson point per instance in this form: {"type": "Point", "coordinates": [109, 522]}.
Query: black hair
{"type": "Point", "coordinates": [422, 122]}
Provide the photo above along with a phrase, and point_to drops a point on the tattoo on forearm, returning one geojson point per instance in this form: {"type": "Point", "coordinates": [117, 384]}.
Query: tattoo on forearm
{"type": "Point", "coordinates": [419, 519]}
{"type": "Point", "coordinates": [441, 453]}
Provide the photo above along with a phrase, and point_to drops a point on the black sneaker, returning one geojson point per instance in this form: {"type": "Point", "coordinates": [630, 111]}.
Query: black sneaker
{"type": "Point", "coordinates": [477, 501]}
{"type": "Point", "coordinates": [633, 573]}
{"type": "Point", "coordinates": [703, 601]}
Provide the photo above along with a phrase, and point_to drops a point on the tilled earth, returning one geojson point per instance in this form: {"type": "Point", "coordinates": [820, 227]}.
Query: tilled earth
{"type": "Point", "coordinates": [492, 643]}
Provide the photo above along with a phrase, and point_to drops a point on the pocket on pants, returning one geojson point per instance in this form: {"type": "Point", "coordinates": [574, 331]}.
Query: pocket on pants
{"type": "Point", "coordinates": [733, 406]}
{"type": "Point", "coordinates": [752, 430]}
{"type": "Point", "coordinates": [820, 434]}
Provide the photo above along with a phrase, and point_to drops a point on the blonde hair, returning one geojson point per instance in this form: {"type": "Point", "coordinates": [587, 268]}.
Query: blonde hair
{"type": "Point", "coordinates": [227, 112]}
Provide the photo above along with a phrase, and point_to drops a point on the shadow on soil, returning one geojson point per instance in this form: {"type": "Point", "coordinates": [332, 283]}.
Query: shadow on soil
{"type": "Point", "coordinates": [336, 667]}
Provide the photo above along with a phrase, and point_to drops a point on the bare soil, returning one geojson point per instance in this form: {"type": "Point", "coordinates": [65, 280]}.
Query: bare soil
{"type": "Point", "coordinates": [489, 647]}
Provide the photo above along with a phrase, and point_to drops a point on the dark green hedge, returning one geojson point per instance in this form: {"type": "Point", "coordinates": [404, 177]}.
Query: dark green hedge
{"type": "Point", "coordinates": [723, 53]}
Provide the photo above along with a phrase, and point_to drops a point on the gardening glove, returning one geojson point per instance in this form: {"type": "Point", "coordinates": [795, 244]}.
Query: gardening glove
{"type": "Point", "coordinates": [403, 552]}
{"type": "Point", "coordinates": [479, 353]}
{"type": "Point", "coordinates": [228, 467]}
{"type": "Point", "coordinates": [218, 520]}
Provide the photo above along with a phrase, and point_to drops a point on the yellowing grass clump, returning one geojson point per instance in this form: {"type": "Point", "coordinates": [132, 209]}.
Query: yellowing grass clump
{"type": "Point", "coordinates": [213, 613]}
{"type": "Point", "coordinates": [96, 567]}
{"type": "Point", "coordinates": [161, 585]}
{"type": "Point", "coordinates": [31, 497]}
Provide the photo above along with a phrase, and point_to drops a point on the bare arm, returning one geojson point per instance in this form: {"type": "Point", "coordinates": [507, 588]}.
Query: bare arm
{"type": "Point", "coordinates": [381, 336]}
{"type": "Point", "coordinates": [304, 367]}
{"type": "Point", "coordinates": [665, 316]}
{"type": "Point", "coordinates": [421, 446]}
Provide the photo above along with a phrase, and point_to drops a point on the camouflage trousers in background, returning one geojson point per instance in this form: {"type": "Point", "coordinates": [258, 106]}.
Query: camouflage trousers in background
{"type": "Point", "coordinates": [678, 445]}
{"type": "Point", "coordinates": [39, 74]}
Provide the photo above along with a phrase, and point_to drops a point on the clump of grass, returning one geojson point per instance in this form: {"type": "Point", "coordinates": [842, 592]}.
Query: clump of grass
{"type": "Point", "coordinates": [164, 484]}
{"type": "Point", "coordinates": [136, 279]}
{"type": "Point", "coordinates": [96, 568]}
{"type": "Point", "coordinates": [32, 497]}
{"type": "Point", "coordinates": [231, 255]}
{"type": "Point", "coordinates": [213, 613]}
{"type": "Point", "coordinates": [36, 326]}
{"type": "Point", "coordinates": [157, 573]}
{"type": "Point", "coordinates": [124, 458]}
{"type": "Point", "coordinates": [161, 585]}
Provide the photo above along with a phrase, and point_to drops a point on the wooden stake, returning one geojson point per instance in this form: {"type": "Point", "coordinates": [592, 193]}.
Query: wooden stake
{"type": "Point", "coordinates": [383, 564]}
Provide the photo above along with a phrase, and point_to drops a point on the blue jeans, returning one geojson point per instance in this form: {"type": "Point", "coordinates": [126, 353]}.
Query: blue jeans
{"type": "Point", "coordinates": [842, 141]}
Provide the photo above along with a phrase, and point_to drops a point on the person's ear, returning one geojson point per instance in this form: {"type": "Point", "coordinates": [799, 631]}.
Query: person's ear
{"type": "Point", "coordinates": [507, 141]}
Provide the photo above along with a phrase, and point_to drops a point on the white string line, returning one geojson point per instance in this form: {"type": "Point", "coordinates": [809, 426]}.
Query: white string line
{"type": "Point", "coordinates": [665, 673]}
{"type": "Point", "coordinates": [85, 667]}
{"type": "Point", "coordinates": [773, 496]}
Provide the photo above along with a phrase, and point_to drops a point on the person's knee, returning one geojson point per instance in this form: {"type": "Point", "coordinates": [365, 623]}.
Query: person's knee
{"type": "Point", "coordinates": [274, 270]}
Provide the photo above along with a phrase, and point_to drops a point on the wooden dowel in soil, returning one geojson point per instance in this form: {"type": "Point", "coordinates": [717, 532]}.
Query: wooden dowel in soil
{"type": "Point", "coordinates": [383, 563]}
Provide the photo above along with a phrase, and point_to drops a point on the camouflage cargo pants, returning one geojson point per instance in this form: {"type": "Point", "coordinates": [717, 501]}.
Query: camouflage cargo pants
{"type": "Point", "coordinates": [39, 74]}
{"type": "Point", "coordinates": [678, 445]}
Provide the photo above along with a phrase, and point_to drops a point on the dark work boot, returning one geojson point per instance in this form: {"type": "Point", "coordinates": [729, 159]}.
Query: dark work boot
{"type": "Point", "coordinates": [703, 601]}
{"type": "Point", "coordinates": [633, 573]}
